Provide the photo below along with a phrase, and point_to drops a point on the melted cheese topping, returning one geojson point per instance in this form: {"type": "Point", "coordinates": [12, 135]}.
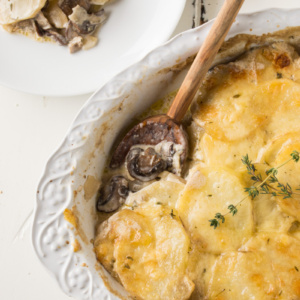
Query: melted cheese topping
{"type": "Point", "coordinates": [250, 106]}
{"type": "Point", "coordinates": [283, 251]}
{"type": "Point", "coordinates": [209, 191]}
{"type": "Point", "coordinates": [239, 275]}
{"type": "Point", "coordinates": [148, 250]}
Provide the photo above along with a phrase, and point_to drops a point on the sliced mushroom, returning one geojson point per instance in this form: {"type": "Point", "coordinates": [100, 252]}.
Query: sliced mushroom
{"type": "Point", "coordinates": [75, 44]}
{"type": "Point", "coordinates": [151, 131]}
{"type": "Point", "coordinates": [71, 31]}
{"type": "Point", "coordinates": [171, 153]}
{"type": "Point", "coordinates": [85, 22]}
{"type": "Point", "coordinates": [55, 16]}
{"type": "Point", "coordinates": [68, 5]}
{"type": "Point", "coordinates": [44, 28]}
{"type": "Point", "coordinates": [42, 21]}
{"type": "Point", "coordinates": [38, 29]}
{"type": "Point", "coordinates": [57, 37]}
{"type": "Point", "coordinates": [145, 165]}
{"type": "Point", "coordinates": [113, 195]}
{"type": "Point", "coordinates": [167, 150]}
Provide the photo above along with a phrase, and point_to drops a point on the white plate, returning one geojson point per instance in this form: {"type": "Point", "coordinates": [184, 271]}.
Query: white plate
{"type": "Point", "coordinates": [88, 143]}
{"type": "Point", "coordinates": [133, 28]}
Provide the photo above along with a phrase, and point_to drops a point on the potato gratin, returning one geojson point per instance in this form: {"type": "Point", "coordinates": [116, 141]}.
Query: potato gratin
{"type": "Point", "coordinates": [229, 228]}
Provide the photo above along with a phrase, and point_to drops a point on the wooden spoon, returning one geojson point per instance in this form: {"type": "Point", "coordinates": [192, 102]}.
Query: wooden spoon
{"type": "Point", "coordinates": [167, 127]}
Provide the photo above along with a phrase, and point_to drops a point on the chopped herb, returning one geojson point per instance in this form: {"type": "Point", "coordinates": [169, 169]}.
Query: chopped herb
{"type": "Point", "coordinates": [221, 292]}
{"type": "Point", "coordinates": [204, 271]}
{"type": "Point", "coordinates": [158, 203]}
{"type": "Point", "coordinates": [236, 96]}
{"type": "Point", "coordinates": [279, 75]}
{"type": "Point", "coordinates": [129, 257]}
{"type": "Point", "coordinates": [172, 214]}
{"type": "Point", "coordinates": [209, 195]}
{"type": "Point", "coordinates": [296, 269]}
{"type": "Point", "coordinates": [127, 266]}
{"type": "Point", "coordinates": [112, 262]}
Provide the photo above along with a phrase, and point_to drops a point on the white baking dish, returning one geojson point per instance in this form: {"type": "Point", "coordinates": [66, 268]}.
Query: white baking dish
{"type": "Point", "coordinates": [88, 143]}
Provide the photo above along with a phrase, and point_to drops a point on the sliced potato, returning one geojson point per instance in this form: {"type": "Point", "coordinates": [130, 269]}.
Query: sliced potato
{"type": "Point", "coordinates": [229, 115]}
{"type": "Point", "coordinates": [214, 152]}
{"type": "Point", "coordinates": [147, 249]}
{"type": "Point", "coordinates": [243, 276]}
{"type": "Point", "coordinates": [283, 251]}
{"type": "Point", "coordinates": [282, 120]}
{"type": "Point", "coordinates": [278, 152]}
{"type": "Point", "coordinates": [163, 192]}
{"type": "Point", "coordinates": [250, 94]}
{"type": "Point", "coordinates": [200, 270]}
{"type": "Point", "coordinates": [210, 191]}
{"type": "Point", "coordinates": [17, 10]}
{"type": "Point", "coordinates": [268, 215]}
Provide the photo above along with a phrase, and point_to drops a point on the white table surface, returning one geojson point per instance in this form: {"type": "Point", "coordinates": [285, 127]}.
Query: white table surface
{"type": "Point", "coordinates": [31, 128]}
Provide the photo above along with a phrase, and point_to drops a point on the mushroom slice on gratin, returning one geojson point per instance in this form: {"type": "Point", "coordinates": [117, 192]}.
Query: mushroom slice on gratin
{"type": "Point", "coordinates": [147, 251]}
{"type": "Point", "coordinates": [283, 251]}
{"type": "Point", "coordinates": [207, 192]}
{"type": "Point", "coordinates": [243, 276]}
{"type": "Point", "coordinates": [278, 152]}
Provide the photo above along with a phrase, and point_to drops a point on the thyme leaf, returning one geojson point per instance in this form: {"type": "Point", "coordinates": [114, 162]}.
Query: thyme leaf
{"type": "Point", "coordinates": [232, 209]}
{"type": "Point", "coordinates": [127, 266]}
{"type": "Point", "coordinates": [295, 155]}
{"type": "Point", "coordinates": [216, 221]}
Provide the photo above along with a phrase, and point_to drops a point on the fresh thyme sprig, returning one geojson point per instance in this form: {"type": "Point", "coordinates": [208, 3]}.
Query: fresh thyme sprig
{"type": "Point", "coordinates": [260, 186]}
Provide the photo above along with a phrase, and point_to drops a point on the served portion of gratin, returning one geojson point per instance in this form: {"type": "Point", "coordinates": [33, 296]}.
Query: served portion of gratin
{"type": "Point", "coordinates": [229, 228]}
{"type": "Point", "coordinates": [70, 23]}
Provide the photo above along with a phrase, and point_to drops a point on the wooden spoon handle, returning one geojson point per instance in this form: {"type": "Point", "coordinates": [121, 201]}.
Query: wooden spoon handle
{"type": "Point", "coordinates": [204, 59]}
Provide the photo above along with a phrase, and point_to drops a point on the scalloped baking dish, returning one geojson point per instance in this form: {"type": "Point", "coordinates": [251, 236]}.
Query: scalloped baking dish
{"type": "Point", "coordinates": [64, 247]}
